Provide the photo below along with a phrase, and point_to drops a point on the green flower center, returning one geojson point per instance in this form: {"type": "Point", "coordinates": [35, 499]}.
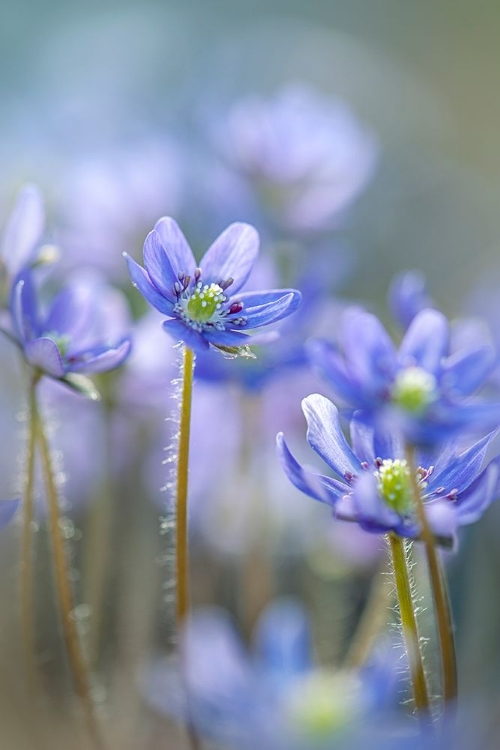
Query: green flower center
{"type": "Point", "coordinates": [324, 703]}
{"type": "Point", "coordinates": [394, 485]}
{"type": "Point", "coordinates": [414, 389]}
{"type": "Point", "coordinates": [204, 302]}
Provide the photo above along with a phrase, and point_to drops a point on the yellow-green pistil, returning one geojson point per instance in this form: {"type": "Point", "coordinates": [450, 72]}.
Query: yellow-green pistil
{"type": "Point", "coordinates": [325, 703]}
{"type": "Point", "coordinates": [414, 390]}
{"type": "Point", "coordinates": [394, 485]}
{"type": "Point", "coordinates": [205, 301]}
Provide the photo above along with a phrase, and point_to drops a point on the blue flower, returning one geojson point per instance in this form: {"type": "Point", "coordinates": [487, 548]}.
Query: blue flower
{"type": "Point", "coordinates": [424, 387]}
{"type": "Point", "coordinates": [372, 484]}
{"type": "Point", "coordinates": [70, 336]}
{"type": "Point", "coordinates": [201, 312]}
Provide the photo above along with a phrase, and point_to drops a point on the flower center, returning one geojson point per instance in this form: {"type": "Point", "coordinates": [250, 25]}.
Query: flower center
{"type": "Point", "coordinates": [324, 703]}
{"type": "Point", "coordinates": [414, 389]}
{"type": "Point", "coordinates": [204, 302]}
{"type": "Point", "coordinates": [394, 485]}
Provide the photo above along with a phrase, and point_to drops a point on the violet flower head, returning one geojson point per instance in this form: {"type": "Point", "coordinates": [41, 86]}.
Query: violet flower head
{"type": "Point", "coordinates": [202, 302]}
{"type": "Point", "coordinates": [425, 387]}
{"type": "Point", "coordinates": [372, 484]}
{"type": "Point", "coordinates": [69, 337]}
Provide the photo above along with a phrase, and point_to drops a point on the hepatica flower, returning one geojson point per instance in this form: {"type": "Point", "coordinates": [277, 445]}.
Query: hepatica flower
{"type": "Point", "coordinates": [425, 386]}
{"type": "Point", "coordinates": [372, 484]}
{"type": "Point", "coordinates": [203, 302]}
{"type": "Point", "coordinates": [69, 336]}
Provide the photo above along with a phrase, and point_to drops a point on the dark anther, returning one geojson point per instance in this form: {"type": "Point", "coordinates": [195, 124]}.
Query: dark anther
{"type": "Point", "coordinates": [181, 275]}
{"type": "Point", "coordinates": [378, 462]}
{"type": "Point", "coordinates": [236, 307]}
{"type": "Point", "coordinates": [364, 465]}
{"type": "Point", "coordinates": [197, 275]}
{"type": "Point", "coordinates": [225, 284]}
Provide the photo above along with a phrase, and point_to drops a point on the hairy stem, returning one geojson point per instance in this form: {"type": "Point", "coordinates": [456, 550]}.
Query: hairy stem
{"type": "Point", "coordinates": [440, 594]}
{"type": "Point", "coordinates": [27, 589]}
{"type": "Point", "coordinates": [409, 623]}
{"type": "Point", "coordinates": [182, 558]}
{"type": "Point", "coordinates": [76, 658]}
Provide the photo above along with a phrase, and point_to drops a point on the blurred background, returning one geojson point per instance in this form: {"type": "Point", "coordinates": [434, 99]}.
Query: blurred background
{"type": "Point", "coordinates": [361, 139]}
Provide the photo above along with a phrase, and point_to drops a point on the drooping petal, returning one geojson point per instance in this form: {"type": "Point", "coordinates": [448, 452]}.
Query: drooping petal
{"type": "Point", "coordinates": [426, 341]}
{"type": "Point", "coordinates": [175, 246]}
{"type": "Point", "coordinates": [8, 509]}
{"type": "Point", "coordinates": [461, 469]}
{"type": "Point", "coordinates": [268, 307]}
{"type": "Point", "coordinates": [181, 332]}
{"type": "Point", "coordinates": [325, 435]}
{"type": "Point", "coordinates": [142, 282]}
{"type": "Point", "coordinates": [232, 255]}
{"type": "Point", "coordinates": [369, 351]}
{"type": "Point", "coordinates": [100, 361]}
{"type": "Point", "coordinates": [24, 229]}
{"type": "Point", "coordinates": [160, 270]}
{"type": "Point", "coordinates": [463, 373]}
{"type": "Point", "coordinates": [314, 485]}
{"type": "Point", "coordinates": [43, 353]}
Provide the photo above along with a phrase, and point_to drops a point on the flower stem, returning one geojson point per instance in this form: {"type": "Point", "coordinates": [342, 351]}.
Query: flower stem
{"type": "Point", "coordinates": [27, 589]}
{"type": "Point", "coordinates": [439, 592]}
{"type": "Point", "coordinates": [76, 658]}
{"type": "Point", "coordinates": [182, 558]}
{"type": "Point", "coordinates": [409, 623]}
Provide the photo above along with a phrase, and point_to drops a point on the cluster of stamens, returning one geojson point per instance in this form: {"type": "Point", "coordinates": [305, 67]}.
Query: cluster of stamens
{"type": "Point", "coordinates": [204, 306]}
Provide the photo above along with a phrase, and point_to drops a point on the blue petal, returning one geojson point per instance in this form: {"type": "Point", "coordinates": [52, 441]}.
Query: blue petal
{"type": "Point", "coordinates": [232, 255]}
{"type": "Point", "coordinates": [24, 229]}
{"type": "Point", "coordinates": [362, 439]}
{"type": "Point", "coordinates": [408, 295]}
{"type": "Point", "coordinates": [8, 509]}
{"type": "Point", "coordinates": [44, 354]}
{"type": "Point", "coordinates": [426, 341]}
{"type": "Point", "coordinates": [325, 435]}
{"type": "Point", "coordinates": [227, 338]}
{"type": "Point", "coordinates": [442, 518]}
{"type": "Point", "coordinates": [461, 470]}
{"type": "Point", "coordinates": [181, 332]}
{"type": "Point", "coordinates": [70, 312]}
{"type": "Point", "coordinates": [283, 641]}
{"type": "Point", "coordinates": [465, 373]}
{"type": "Point", "coordinates": [175, 246]}
{"type": "Point", "coordinates": [24, 308]}
{"type": "Point", "coordinates": [331, 366]}
{"type": "Point", "coordinates": [103, 361]}
{"type": "Point", "coordinates": [142, 282]}
{"type": "Point", "coordinates": [317, 486]}
{"type": "Point", "coordinates": [158, 265]}
{"type": "Point", "coordinates": [373, 513]}
{"type": "Point", "coordinates": [369, 351]}
{"type": "Point", "coordinates": [261, 308]}
{"type": "Point", "coordinates": [471, 504]}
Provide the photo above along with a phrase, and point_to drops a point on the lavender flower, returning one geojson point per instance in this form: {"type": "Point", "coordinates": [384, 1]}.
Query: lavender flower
{"type": "Point", "coordinates": [195, 299]}
{"type": "Point", "coordinates": [424, 387]}
{"type": "Point", "coordinates": [373, 484]}
{"type": "Point", "coordinates": [69, 337]}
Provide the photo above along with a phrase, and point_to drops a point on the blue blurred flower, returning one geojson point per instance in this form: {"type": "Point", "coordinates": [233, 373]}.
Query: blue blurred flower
{"type": "Point", "coordinates": [72, 335]}
{"type": "Point", "coordinates": [408, 295]}
{"type": "Point", "coordinates": [424, 387]}
{"type": "Point", "coordinates": [199, 311]}
{"type": "Point", "coordinates": [373, 484]}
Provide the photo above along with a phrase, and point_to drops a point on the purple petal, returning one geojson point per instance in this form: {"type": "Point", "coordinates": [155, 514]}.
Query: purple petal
{"type": "Point", "coordinates": [426, 341]}
{"type": "Point", "coordinates": [70, 312]}
{"type": "Point", "coordinates": [175, 246]}
{"type": "Point", "coordinates": [181, 332]}
{"type": "Point", "coordinates": [232, 255]}
{"type": "Point", "coordinates": [408, 295]}
{"type": "Point", "coordinates": [24, 229]}
{"type": "Point", "coordinates": [283, 640]}
{"type": "Point", "coordinates": [142, 282]}
{"type": "Point", "coordinates": [471, 504]}
{"type": "Point", "coordinates": [362, 439]}
{"type": "Point", "coordinates": [24, 308]}
{"type": "Point", "coordinates": [373, 513]}
{"type": "Point", "coordinates": [442, 518]}
{"type": "Point", "coordinates": [8, 509]}
{"type": "Point", "coordinates": [464, 373]}
{"type": "Point", "coordinates": [325, 435]}
{"type": "Point", "coordinates": [43, 353]}
{"type": "Point", "coordinates": [331, 366]}
{"type": "Point", "coordinates": [227, 338]}
{"type": "Point", "coordinates": [369, 351]}
{"type": "Point", "coordinates": [317, 486]}
{"type": "Point", "coordinates": [159, 265]}
{"type": "Point", "coordinates": [268, 307]}
{"type": "Point", "coordinates": [461, 470]}
{"type": "Point", "coordinates": [104, 361]}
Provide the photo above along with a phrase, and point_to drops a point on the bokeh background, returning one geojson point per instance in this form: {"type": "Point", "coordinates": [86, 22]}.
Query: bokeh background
{"type": "Point", "coordinates": [110, 109]}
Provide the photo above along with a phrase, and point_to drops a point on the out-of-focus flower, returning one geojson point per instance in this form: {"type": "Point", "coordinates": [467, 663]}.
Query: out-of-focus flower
{"type": "Point", "coordinates": [408, 295]}
{"type": "Point", "coordinates": [424, 387]}
{"type": "Point", "coordinates": [8, 509]}
{"type": "Point", "coordinates": [305, 155]}
{"type": "Point", "coordinates": [73, 335]}
{"type": "Point", "coordinates": [199, 311]}
{"type": "Point", "coordinates": [275, 699]}
{"type": "Point", "coordinates": [373, 484]}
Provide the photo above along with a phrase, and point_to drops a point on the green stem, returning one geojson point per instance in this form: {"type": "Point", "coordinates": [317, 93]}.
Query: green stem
{"type": "Point", "coordinates": [182, 558]}
{"type": "Point", "coordinates": [440, 595]}
{"type": "Point", "coordinates": [76, 658]}
{"type": "Point", "coordinates": [409, 623]}
{"type": "Point", "coordinates": [27, 589]}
